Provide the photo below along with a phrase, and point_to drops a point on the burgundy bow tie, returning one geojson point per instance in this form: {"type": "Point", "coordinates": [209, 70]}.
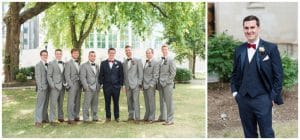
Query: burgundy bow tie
{"type": "Point", "coordinates": [251, 46]}
{"type": "Point", "coordinates": [112, 61]}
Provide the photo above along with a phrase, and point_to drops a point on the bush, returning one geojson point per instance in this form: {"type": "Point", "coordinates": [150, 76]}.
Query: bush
{"type": "Point", "coordinates": [290, 72]}
{"type": "Point", "coordinates": [29, 71]}
{"type": "Point", "coordinates": [183, 75]}
{"type": "Point", "coordinates": [21, 77]}
{"type": "Point", "coordinates": [220, 55]}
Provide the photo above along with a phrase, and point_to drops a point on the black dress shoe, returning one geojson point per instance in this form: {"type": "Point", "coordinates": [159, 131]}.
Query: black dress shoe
{"type": "Point", "coordinates": [159, 120]}
{"type": "Point", "coordinates": [117, 120]}
{"type": "Point", "coordinates": [61, 120]}
{"type": "Point", "coordinates": [45, 121]}
{"type": "Point", "coordinates": [77, 119]}
{"type": "Point", "coordinates": [95, 120]}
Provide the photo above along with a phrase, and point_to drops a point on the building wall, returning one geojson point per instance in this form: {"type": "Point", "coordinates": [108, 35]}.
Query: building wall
{"type": "Point", "coordinates": [278, 22]}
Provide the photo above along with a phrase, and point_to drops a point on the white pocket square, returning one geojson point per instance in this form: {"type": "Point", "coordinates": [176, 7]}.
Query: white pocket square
{"type": "Point", "coordinates": [266, 58]}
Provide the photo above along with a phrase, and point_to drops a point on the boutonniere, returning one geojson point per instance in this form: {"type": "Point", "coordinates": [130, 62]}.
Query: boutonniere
{"type": "Point", "coordinates": [117, 66]}
{"type": "Point", "coordinates": [261, 50]}
{"type": "Point", "coordinates": [132, 62]}
{"type": "Point", "coordinates": [115, 63]}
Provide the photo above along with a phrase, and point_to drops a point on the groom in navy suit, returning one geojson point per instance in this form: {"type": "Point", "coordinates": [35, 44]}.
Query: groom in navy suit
{"type": "Point", "coordinates": [256, 81]}
{"type": "Point", "coordinates": [111, 77]}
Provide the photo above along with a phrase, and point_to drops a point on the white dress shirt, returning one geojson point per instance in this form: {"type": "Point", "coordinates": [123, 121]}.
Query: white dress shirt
{"type": "Point", "coordinates": [61, 66]}
{"type": "Point", "coordinates": [251, 51]}
{"type": "Point", "coordinates": [93, 67]}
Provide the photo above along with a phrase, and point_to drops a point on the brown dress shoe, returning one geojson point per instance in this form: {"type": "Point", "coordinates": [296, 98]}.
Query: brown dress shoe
{"type": "Point", "coordinates": [87, 122]}
{"type": "Point", "coordinates": [71, 122]}
{"type": "Point", "coordinates": [107, 120]}
{"type": "Point", "coordinates": [37, 124]}
{"type": "Point", "coordinates": [77, 119]}
{"type": "Point", "coordinates": [53, 123]}
{"type": "Point", "coordinates": [61, 120]}
{"type": "Point", "coordinates": [168, 123]}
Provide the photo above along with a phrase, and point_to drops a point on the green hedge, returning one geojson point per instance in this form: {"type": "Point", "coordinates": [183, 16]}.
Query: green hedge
{"type": "Point", "coordinates": [22, 73]}
{"type": "Point", "coordinates": [290, 72]}
{"type": "Point", "coordinates": [183, 75]}
{"type": "Point", "coordinates": [220, 55]}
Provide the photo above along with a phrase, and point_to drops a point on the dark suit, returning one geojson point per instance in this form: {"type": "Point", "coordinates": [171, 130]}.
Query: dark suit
{"type": "Point", "coordinates": [257, 83]}
{"type": "Point", "coordinates": [112, 81]}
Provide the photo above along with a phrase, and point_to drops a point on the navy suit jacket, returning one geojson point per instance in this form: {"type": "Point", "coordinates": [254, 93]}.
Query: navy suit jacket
{"type": "Point", "coordinates": [111, 77]}
{"type": "Point", "coordinates": [269, 67]}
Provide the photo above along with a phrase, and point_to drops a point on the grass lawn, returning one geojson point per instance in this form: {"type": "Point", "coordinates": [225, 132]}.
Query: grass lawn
{"type": "Point", "coordinates": [18, 117]}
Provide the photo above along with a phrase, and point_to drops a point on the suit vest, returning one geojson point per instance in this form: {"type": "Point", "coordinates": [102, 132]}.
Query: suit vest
{"type": "Point", "coordinates": [252, 83]}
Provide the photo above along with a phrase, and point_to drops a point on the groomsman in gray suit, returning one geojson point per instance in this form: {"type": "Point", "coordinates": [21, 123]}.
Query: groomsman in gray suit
{"type": "Point", "coordinates": [42, 99]}
{"type": "Point", "coordinates": [89, 73]}
{"type": "Point", "coordinates": [151, 71]}
{"type": "Point", "coordinates": [56, 80]}
{"type": "Point", "coordinates": [133, 77]}
{"type": "Point", "coordinates": [167, 72]}
{"type": "Point", "coordinates": [74, 86]}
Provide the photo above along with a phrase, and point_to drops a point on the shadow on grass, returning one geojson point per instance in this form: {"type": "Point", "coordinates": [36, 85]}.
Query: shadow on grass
{"type": "Point", "coordinates": [189, 100]}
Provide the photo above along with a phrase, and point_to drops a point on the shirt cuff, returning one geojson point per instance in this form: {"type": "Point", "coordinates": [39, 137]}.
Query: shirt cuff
{"type": "Point", "coordinates": [234, 94]}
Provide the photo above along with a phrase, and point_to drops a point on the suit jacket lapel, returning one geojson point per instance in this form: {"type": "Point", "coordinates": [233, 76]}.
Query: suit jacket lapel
{"type": "Point", "coordinates": [43, 66]}
{"type": "Point", "coordinates": [243, 56]}
{"type": "Point", "coordinates": [90, 68]}
{"type": "Point", "coordinates": [57, 66]}
{"type": "Point", "coordinates": [258, 57]}
{"type": "Point", "coordinates": [74, 65]}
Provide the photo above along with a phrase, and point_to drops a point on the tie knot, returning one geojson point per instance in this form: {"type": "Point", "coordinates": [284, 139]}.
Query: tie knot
{"type": "Point", "coordinates": [251, 46]}
{"type": "Point", "coordinates": [77, 61]}
{"type": "Point", "coordinates": [93, 64]}
{"type": "Point", "coordinates": [163, 58]}
{"type": "Point", "coordinates": [128, 59]}
{"type": "Point", "coordinates": [60, 62]}
{"type": "Point", "coordinates": [46, 64]}
{"type": "Point", "coordinates": [147, 61]}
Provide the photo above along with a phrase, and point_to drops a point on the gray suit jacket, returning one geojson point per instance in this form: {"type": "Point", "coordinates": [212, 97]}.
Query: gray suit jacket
{"type": "Point", "coordinates": [55, 76]}
{"type": "Point", "coordinates": [88, 78]}
{"type": "Point", "coordinates": [41, 76]}
{"type": "Point", "coordinates": [167, 72]}
{"type": "Point", "coordinates": [151, 73]}
{"type": "Point", "coordinates": [71, 73]}
{"type": "Point", "coordinates": [133, 76]}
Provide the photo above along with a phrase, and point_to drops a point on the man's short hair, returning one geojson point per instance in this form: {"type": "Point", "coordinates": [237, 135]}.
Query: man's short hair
{"type": "Point", "coordinates": [111, 49]}
{"type": "Point", "coordinates": [58, 50]}
{"type": "Point", "coordinates": [74, 50]}
{"type": "Point", "coordinates": [250, 18]}
{"type": "Point", "coordinates": [164, 45]}
{"type": "Point", "coordinates": [152, 51]}
{"type": "Point", "coordinates": [127, 46]}
{"type": "Point", "coordinates": [43, 51]}
{"type": "Point", "coordinates": [91, 52]}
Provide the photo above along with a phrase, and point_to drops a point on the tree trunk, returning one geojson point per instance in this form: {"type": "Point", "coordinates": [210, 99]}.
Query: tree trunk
{"type": "Point", "coordinates": [12, 51]}
{"type": "Point", "coordinates": [194, 65]}
{"type": "Point", "coordinates": [13, 20]}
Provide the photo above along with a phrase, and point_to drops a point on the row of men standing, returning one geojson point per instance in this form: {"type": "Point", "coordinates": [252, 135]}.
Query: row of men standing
{"type": "Point", "coordinates": [54, 78]}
